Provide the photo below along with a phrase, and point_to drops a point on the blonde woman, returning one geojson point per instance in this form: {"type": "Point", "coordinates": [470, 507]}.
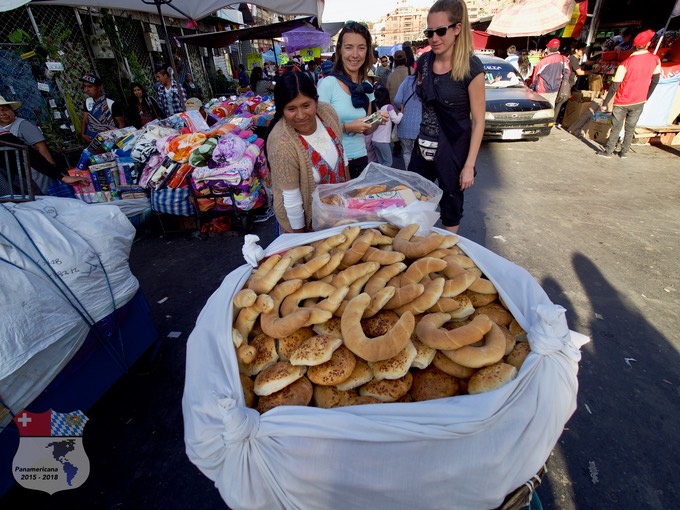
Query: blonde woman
{"type": "Point", "coordinates": [451, 87]}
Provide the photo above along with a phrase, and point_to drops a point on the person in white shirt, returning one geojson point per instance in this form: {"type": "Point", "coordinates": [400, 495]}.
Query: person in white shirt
{"type": "Point", "coordinates": [382, 136]}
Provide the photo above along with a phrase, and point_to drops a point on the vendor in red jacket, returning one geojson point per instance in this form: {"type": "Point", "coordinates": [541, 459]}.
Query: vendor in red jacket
{"type": "Point", "coordinates": [634, 81]}
{"type": "Point", "coordinates": [549, 72]}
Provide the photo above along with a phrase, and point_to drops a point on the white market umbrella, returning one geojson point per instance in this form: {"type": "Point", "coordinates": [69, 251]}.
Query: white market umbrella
{"type": "Point", "coordinates": [8, 5]}
{"type": "Point", "coordinates": [192, 9]}
{"type": "Point", "coordinates": [531, 17]}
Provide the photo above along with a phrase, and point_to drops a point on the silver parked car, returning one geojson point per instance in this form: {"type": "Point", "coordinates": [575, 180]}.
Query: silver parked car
{"type": "Point", "coordinates": [513, 111]}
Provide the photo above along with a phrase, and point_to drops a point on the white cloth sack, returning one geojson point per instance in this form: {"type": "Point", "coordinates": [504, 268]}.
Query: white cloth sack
{"type": "Point", "coordinates": [59, 243]}
{"type": "Point", "coordinates": [464, 452]}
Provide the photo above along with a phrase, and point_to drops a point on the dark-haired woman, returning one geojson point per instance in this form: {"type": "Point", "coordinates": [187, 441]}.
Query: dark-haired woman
{"type": "Point", "coordinates": [143, 108]}
{"type": "Point", "coordinates": [349, 92]}
{"type": "Point", "coordinates": [304, 149]}
{"type": "Point", "coordinates": [259, 84]}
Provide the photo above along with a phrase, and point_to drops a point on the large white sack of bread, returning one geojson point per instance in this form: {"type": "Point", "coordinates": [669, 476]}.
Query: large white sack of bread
{"type": "Point", "coordinates": [465, 452]}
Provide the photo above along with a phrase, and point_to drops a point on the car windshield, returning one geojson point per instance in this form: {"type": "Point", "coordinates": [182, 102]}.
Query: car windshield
{"type": "Point", "coordinates": [498, 76]}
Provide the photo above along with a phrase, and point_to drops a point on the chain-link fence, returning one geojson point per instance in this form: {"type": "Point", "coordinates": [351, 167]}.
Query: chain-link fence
{"type": "Point", "coordinates": [113, 44]}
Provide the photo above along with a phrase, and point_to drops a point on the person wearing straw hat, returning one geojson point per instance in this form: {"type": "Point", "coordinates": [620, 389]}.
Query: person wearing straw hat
{"type": "Point", "coordinates": [633, 84]}
{"type": "Point", "coordinates": [27, 133]}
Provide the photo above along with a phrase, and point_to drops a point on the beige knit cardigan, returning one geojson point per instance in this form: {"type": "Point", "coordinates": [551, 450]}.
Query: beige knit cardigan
{"type": "Point", "coordinates": [290, 165]}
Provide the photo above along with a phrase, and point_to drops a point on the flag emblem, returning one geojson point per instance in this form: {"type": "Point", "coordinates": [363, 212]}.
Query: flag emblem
{"type": "Point", "coordinates": [51, 456]}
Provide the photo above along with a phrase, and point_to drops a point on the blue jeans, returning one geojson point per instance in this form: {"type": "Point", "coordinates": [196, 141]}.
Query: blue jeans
{"type": "Point", "coordinates": [383, 151]}
{"type": "Point", "coordinates": [620, 114]}
{"type": "Point", "coordinates": [406, 150]}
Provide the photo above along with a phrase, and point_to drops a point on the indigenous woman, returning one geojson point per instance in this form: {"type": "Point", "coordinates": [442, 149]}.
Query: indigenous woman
{"type": "Point", "coordinates": [304, 149]}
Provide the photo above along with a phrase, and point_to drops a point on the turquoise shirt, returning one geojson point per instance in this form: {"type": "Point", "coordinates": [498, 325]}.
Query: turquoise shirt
{"type": "Point", "coordinates": [331, 92]}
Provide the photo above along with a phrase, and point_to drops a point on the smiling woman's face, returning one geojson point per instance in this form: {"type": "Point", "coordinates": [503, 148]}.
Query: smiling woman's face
{"type": "Point", "coordinates": [301, 114]}
{"type": "Point", "coordinates": [353, 52]}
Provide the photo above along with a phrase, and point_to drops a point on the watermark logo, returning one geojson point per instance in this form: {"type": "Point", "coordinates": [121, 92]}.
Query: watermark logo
{"type": "Point", "coordinates": [51, 456]}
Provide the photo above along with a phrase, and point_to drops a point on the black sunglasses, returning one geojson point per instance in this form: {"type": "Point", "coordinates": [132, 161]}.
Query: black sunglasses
{"type": "Point", "coordinates": [440, 31]}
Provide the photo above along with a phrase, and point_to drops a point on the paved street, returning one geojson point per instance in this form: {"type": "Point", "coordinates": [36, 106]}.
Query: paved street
{"type": "Point", "coordinates": [601, 236]}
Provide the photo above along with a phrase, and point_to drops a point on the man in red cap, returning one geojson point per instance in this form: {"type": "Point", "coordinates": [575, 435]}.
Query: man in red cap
{"type": "Point", "coordinates": [634, 81]}
{"type": "Point", "coordinates": [550, 71]}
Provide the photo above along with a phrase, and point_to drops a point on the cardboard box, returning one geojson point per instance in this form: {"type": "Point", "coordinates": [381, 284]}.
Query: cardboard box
{"type": "Point", "coordinates": [574, 111]}
{"type": "Point", "coordinates": [595, 83]}
{"type": "Point", "coordinates": [599, 132]}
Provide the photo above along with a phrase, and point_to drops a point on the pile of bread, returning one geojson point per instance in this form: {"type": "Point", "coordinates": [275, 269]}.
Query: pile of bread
{"type": "Point", "coordinates": [372, 316]}
{"type": "Point", "coordinates": [370, 191]}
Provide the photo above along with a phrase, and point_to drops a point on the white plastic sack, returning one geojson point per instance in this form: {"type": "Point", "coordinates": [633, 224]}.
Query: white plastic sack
{"type": "Point", "coordinates": [79, 251]}
{"type": "Point", "coordinates": [422, 212]}
{"type": "Point", "coordinates": [464, 452]}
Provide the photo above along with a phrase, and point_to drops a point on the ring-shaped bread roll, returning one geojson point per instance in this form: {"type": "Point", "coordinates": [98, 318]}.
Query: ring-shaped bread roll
{"type": "Point", "coordinates": [308, 290]}
{"type": "Point", "coordinates": [348, 276]}
{"type": "Point", "coordinates": [484, 355]}
{"type": "Point", "coordinates": [265, 278]}
{"type": "Point", "coordinates": [421, 268]}
{"type": "Point", "coordinates": [278, 327]}
{"type": "Point", "coordinates": [359, 247]}
{"type": "Point", "coordinates": [427, 299]}
{"type": "Point", "coordinates": [373, 349]}
{"type": "Point", "coordinates": [429, 331]}
{"type": "Point", "coordinates": [306, 270]}
{"type": "Point", "coordinates": [415, 249]}
{"type": "Point", "coordinates": [351, 232]}
{"type": "Point", "coordinates": [382, 276]}
{"type": "Point", "coordinates": [382, 257]}
{"type": "Point", "coordinates": [378, 301]}
{"type": "Point", "coordinates": [483, 286]}
{"type": "Point", "coordinates": [328, 244]}
{"type": "Point", "coordinates": [404, 295]}
{"type": "Point", "coordinates": [332, 265]}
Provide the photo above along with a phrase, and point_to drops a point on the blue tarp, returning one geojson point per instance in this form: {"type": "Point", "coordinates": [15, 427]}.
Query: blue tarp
{"type": "Point", "coordinates": [658, 106]}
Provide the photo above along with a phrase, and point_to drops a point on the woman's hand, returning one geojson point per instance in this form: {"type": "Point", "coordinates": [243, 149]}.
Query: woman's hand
{"type": "Point", "coordinates": [357, 126]}
{"type": "Point", "coordinates": [74, 180]}
{"type": "Point", "coordinates": [467, 177]}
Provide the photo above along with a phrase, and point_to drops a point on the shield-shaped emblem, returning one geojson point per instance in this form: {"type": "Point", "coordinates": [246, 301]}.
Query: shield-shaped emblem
{"type": "Point", "coordinates": [51, 456]}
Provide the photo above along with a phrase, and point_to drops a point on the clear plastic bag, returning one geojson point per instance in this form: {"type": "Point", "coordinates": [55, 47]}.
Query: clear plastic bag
{"type": "Point", "coordinates": [379, 193]}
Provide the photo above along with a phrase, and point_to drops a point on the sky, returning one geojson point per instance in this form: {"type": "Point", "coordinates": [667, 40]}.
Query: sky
{"type": "Point", "coordinates": [363, 10]}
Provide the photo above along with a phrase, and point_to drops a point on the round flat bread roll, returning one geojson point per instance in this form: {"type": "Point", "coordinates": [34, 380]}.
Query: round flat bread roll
{"type": "Point", "coordinates": [360, 400]}
{"type": "Point", "coordinates": [478, 300]}
{"type": "Point", "coordinates": [387, 390]}
{"type": "Point", "coordinates": [276, 377]}
{"type": "Point", "coordinates": [297, 394]}
{"type": "Point", "coordinates": [491, 377]}
{"type": "Point", "coordinates": [328, 397]}
{"type": "Point", "coordinates": [518, 355]}
{"type": "Point", "coordinates": [431, 383]}
{"type": "Point", "coordinates": [330, 327]}
{"type": "Point", "coordinates": [335, 371]}
{"type": "Point", "coordinates": [515, 328]}
{"type": "Point", "coordinates": [395, 367]}
{"type": "Point", "coordinates": [496, 312]}
{"type": "Point", "coordinates": [379, 324]}
{"type": "Point", "coordinates": [266, 353]}
{"type": "Point", "coordinates": [287, 345]}
{"type": "Point", "coordinates": [315, 350]}
{"type": "Point", "coordinates": [360, 375]}
{"type": "Point", "coordinates": [248, 393]}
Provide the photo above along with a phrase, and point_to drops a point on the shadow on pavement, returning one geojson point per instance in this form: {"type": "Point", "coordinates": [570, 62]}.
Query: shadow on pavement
{"type": "Point", "coordinates": [624, 365]}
